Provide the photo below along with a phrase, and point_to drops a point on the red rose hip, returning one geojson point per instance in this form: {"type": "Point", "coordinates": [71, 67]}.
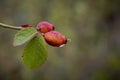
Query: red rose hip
{"type": "Point", "coordinates": [55, 38]}
{"type": "Point", "coordinates": [44, 27]}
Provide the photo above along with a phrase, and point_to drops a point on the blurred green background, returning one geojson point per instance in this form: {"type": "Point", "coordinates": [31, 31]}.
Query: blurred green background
{"type": "Point", "coordinates": [92, 25]}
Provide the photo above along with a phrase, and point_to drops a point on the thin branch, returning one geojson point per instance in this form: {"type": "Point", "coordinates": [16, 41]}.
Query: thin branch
{"type": "Point", "coordinates": [10, 27]}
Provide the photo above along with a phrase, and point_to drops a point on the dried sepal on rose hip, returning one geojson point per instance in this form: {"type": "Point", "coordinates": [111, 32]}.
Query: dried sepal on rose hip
{"type": "Point", "coordinates": [44, 27]}
{"type": "Point", "coordinates": [55, 38]}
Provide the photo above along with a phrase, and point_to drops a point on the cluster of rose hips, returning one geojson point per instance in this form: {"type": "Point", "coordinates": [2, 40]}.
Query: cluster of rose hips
{"type": "Point", "coordinates": [53, 38]}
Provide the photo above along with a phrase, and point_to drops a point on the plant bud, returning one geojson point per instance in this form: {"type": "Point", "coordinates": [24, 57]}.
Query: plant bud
{"type": "Point", "coordinates": [55, 38]}
{"type": "Point", "coordinates": [44, 27]}
{"type": "Point", "coordinates": [26, 26]}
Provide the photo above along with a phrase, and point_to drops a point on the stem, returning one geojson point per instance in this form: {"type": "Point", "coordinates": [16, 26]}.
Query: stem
{"type": "Point", "coordinates": [10, 27]}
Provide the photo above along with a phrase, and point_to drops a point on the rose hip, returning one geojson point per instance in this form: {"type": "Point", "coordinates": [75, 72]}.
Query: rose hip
{"type": "Point", "coordinates": [44, 27]}
{"type": "Point", "coordinates": [55, 38]}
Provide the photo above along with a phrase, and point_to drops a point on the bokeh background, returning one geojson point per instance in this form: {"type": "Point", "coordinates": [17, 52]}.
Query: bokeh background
{"type": "Point", "coordinates": [92, 25]}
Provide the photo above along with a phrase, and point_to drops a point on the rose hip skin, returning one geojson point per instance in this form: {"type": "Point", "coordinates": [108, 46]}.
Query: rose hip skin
{"type": "Point", "coordinates": [44, 27]}
{"type": "Point", "coordinates": [55, 38]}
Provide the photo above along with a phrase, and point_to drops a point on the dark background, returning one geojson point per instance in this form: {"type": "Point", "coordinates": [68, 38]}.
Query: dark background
{"type": "Point", "coordinates": [92, 25]}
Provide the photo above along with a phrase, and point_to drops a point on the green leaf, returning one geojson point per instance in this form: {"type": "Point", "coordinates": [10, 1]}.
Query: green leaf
{"type": "Point", "coordinates": [35, 52]}
{"type": "Point", "coordinates": [24, 35]}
